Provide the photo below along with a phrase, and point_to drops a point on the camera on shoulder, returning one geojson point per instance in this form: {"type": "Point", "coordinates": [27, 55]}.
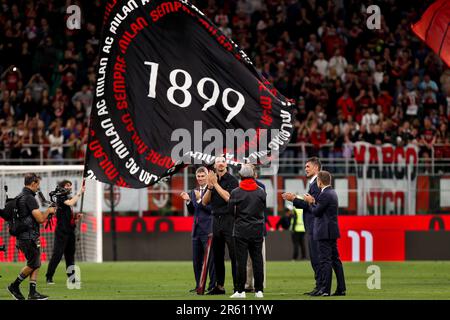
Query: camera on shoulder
{"type": "Point", "coordinates": [58, 193]}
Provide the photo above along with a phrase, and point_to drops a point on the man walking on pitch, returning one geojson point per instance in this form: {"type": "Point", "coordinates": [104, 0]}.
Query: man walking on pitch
{"type": "Point", "coordinates": [220, 184]}
{"type": "Point", "coordinates": [65, 231]}
{"type": "Point", "coordinates": [312, 168]}
{"type": "Point", "coordinates": [326, 232]}
{"type": "Point", "coordinates": [28, 240]}
{"type": "Point", "coordinates": [201, 229]}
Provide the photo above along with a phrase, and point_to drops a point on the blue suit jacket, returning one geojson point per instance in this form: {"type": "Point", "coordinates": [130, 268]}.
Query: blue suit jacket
{"type": "Point", "coordinates": [308, 217]}
{"type": "Point", "coordinates": [325, 211]}
{"type": "Point", "coordinates": [202, 217]}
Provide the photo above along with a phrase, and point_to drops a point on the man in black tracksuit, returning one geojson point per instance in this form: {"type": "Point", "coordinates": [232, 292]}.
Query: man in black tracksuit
{"type": "Point", "coordinates": [28, 240]}
{"type": "Point", "coordinates": [247, 203]}
{"type": "Point", "coordinates": [220, 185]}
{"type": "Point", "coordinates": [65, 232]}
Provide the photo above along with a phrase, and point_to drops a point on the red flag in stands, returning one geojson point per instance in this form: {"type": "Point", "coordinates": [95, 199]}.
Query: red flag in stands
{"type": "Point", "coordinates": [433, 29]}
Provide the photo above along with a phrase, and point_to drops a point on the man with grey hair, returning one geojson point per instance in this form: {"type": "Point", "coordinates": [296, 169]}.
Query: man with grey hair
{"type": "Point", "coordinates": [219, 186]}
{"type": "Point", "coordinates": [247, 203]}
{"type": "Point", "coordinates": [250, 283]}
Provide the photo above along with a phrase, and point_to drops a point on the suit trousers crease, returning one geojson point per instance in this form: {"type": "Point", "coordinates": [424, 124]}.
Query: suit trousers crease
{"type": "Point", "coordinates": [329, 261]}
{"type": "Point", "coordinates": [313, 247]}
{"type": "Point", "coordinates": [198, 253]}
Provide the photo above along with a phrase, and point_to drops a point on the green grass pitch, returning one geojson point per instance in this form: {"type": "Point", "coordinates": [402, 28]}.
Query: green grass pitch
{"type": "Point", "coordinates": [285, 281]}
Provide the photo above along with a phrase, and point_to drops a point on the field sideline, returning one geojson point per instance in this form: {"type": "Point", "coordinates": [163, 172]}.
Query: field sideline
{"type": "Point", "coordinates": [285, 281]}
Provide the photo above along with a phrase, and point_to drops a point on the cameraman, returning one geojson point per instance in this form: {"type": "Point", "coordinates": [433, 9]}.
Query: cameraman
{"type": "Point", "coordinates": [28, 241]}
{"type": "Point", "coordinates": [65, 229]}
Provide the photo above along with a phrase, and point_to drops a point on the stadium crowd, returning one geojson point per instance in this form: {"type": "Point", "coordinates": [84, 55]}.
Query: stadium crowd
{"type": "Point", "coordinates": [350, 83]}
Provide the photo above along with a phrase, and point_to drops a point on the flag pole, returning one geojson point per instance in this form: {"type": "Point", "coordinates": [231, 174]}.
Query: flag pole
{"type": "Point", "coordinates": [113, 223]}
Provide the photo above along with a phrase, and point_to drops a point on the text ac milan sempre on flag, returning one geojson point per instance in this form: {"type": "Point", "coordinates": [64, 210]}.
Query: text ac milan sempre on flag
{"type": "Point", "coordinates": [165, 70]}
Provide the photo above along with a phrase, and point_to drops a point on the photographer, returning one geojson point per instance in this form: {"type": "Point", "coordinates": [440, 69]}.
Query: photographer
{"type": "Point", "coordinates": [28, 241]}
{"type": "Point", "coordinates": [65, 229]}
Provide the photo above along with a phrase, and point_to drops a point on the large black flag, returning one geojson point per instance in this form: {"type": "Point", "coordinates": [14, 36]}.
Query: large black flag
{"type": "Point", "coordinates": [170, 84]}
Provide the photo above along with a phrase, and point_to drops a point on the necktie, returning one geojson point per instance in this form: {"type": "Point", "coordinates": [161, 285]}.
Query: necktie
{"type": "Point", "coordinates": [202, 190]}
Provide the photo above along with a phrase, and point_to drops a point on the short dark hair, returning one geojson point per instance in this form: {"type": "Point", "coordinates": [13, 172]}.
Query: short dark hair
{"type": "Point", "coordinates": [63, 183]}
{"type": "Point", "coordinates": [201, 170]}
{"type": "Point", "coordinates": [315, 161]}
{"type": "Point", "coordinates": [324, 177]}
{"type": "Point", "coordinates": [30, 178]}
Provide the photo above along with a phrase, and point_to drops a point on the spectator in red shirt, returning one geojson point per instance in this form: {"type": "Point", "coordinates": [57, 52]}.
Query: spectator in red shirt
{"type": "Point", "coordinates": [332, 41]}
{"type": "Point", "coordinates": [365, 99]}
{"type": "Point", "coordinates": [385, 103]}
{"type": "Point", "coordinates": [347, 105]}
{"type": "Point", "coordinates": [318, 136]}
{"type": "Point", "coordinates": [427, 137]}
{"type": "Point", "coordinates": [12, 76]}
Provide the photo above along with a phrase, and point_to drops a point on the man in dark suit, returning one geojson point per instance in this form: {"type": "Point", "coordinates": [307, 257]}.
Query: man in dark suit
{"type": "Point", "coordinates": [201, 228]}
{"type": "Point", "coordinates": [326, 232]}
{"type": "Point", "coordinates": [312, 168]}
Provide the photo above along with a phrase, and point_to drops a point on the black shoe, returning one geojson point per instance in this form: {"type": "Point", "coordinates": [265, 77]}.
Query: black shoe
{"type": "Point", "coordinates": [216, 291]}
{"type": "Point", "coordinates": [320, 293]}
{"type": "Point", "coordinates": [310, 293]}
{"type": "Point", "coordinates": [15, 292]}
{"type": "Point", "coordinates": [50, 281]}
{"type": "Point", "coordinates": [339, 293]}
{"type": "Point", "coordinates": [193, 290]}
{"type": "Point", "coordinates": [37, 296]}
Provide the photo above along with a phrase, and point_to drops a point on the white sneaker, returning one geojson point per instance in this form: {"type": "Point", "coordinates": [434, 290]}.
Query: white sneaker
{"type": "Point", "coordinates": [238, 295]}
{"type": "Point", "coordinates": [259, 294]}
